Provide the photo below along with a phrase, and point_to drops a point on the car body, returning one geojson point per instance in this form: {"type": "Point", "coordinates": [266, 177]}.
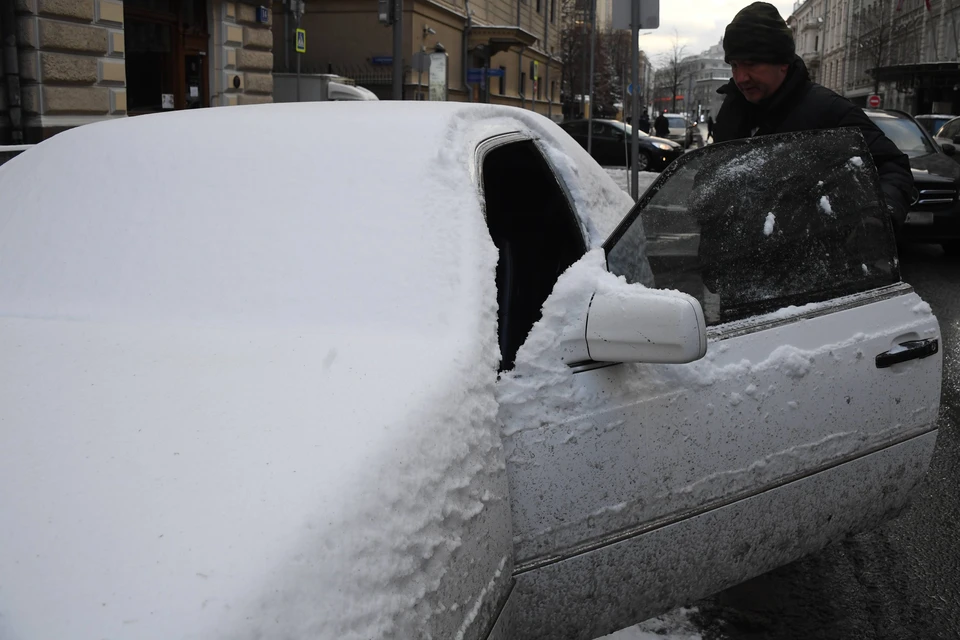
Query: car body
{"type": "Point", "coordinates": [611, 144]}
{"type": "Point", "coordinates": [949, 134]}
{"type": "Point", "coordinates": [933, 122]}
{"type": "Point", "coordinates": [681, 129]}
{"type": "Point", "coordinates": [9, 152]}
{"type": "Point", "coordinates": [490, 398]}
{"type": "Point", "coordinates": [935, 210]}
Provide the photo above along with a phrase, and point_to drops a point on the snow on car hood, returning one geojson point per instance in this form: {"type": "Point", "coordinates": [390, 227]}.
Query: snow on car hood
{"type": "Point", "coordinates": [249, 360]}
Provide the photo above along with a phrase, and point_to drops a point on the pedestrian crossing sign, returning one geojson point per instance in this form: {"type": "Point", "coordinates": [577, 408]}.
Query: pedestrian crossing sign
{"type": "Point", "coordinates": [301, 40]}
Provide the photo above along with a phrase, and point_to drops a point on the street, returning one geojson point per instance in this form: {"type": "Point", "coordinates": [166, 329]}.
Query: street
{"type": "Point", "coordinates": [899, 581]}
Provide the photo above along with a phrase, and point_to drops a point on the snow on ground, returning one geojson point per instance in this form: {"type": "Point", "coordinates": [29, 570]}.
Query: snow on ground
{"type": "Point", "coordinates": [674, 625]}
{"type": "Point", "coordinates": [622, 178]}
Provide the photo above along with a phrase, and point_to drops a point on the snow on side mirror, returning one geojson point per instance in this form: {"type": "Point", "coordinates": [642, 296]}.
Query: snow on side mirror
{"type": "Point", "coordinates": [636, 324]}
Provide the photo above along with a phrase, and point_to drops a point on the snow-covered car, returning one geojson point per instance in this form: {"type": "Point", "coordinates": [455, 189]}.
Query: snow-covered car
{"type": "Point", "coordinates": [380, 370]}
{"type": "Point", "coordinates": [11, 151]}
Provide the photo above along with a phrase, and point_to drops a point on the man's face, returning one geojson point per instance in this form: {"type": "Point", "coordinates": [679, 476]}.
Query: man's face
{"type": "Point", "coordinates": [758, 80]}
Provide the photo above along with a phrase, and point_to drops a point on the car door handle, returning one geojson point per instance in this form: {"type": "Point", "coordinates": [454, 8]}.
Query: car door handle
{"type": "Point", "coordinates": [909, 350]}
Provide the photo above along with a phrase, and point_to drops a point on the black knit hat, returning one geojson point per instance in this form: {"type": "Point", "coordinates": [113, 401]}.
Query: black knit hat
{"type": "Point", "coordinates": [759, 34]}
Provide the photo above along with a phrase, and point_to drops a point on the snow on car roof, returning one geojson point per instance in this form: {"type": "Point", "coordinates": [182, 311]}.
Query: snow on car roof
{"type": "Point", "coordinates": [249, 360]}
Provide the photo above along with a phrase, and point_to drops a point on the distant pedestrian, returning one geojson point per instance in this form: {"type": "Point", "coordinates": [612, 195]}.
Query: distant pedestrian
{"type": "Point", "coordinates": [661, 125]}
{"type": "Point", "coordinates": [709, 128]}
{"type": "Point", "coordinates": [644, 122]}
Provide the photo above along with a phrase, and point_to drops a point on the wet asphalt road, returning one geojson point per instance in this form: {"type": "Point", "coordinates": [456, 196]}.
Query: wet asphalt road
{"type": "Point", "coordinates": [900, 581]}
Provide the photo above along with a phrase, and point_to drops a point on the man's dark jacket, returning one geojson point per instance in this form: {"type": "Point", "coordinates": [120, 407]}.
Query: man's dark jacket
{"type": "Point", "coordinates": [802, 105]}
{"type": "Point", "coordinates": [661, 126]}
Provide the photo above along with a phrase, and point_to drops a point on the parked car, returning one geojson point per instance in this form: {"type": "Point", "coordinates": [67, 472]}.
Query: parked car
{"type": "Point", "coordinates": [935, 210]}
{"type": "Point", "coordinates": [932, 122]}
{"type": "Point", "coordinates": [265, 399]}
{"type": "Point", "coordinates": [949, 134]}
{"type": "Point", "coordinates": [611, 144]}
{"type": "Point", "coordinates": [681, 129]}
{"type": "Point", "coordinates": [9, 152]}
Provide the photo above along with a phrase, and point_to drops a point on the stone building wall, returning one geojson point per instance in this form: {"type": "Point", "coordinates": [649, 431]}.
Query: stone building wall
{"type": "Point", "coordinates": [71, 63]}
{"type": "Point", "coordinates": [245, 61]}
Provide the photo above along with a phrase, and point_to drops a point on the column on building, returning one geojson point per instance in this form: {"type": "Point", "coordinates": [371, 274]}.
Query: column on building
{"type": "Point", "coordinates": [243, 54]}
{"type": "Point", "coordinates": [71, 63]}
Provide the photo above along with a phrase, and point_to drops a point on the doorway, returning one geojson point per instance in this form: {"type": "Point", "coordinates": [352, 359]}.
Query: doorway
{"type": "Point", "coordinates": [166, 57]}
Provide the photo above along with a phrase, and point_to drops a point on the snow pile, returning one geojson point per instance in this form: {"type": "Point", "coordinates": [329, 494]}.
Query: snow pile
{"type": "Point", "coordinates": [622, 178]}
{"type": "Point", "coordinates": [768, 224]}
{"type": "Point", "coordinates": [674, 625]}
{"type": "Point", "coordinates": [274, 411]}
{"type": "Point", "coordinates": [825, 205]}
{"type": "Point", "coordinates": [596, 198]}
{"type": "Point", "coordinates": [540, 389]}
{"type": "Point", "coordinates": [856, 161]}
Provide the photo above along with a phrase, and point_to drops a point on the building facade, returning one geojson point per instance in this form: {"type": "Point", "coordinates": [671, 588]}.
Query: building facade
{"type": "Point", "coordinates": [498, 51]}
{"type": "Point", "coordinates": [698, 77]}
{"type": "Point", "coordinates": [83, 61]}
{"type": "Point", "coordinates": [905, 51]}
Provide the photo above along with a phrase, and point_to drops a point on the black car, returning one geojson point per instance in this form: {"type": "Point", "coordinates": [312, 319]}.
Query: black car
{"type": "Point", "coordinates": [935, 210]}
{"type": "Point", "coordinates": [611, 145]}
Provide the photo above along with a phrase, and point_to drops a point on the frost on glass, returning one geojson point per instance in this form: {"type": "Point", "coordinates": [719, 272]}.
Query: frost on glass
{"type": "Point", "coordinates": [751, 226]}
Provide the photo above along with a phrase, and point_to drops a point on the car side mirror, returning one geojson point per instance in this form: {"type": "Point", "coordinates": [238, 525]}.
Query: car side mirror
{"type": "Point", "coordinates": [949, 149]}
{"type": "Point", "coordinates": [645, 325]}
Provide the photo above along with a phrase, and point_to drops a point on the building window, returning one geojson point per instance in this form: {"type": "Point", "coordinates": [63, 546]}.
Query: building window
{"type": "Point", "coordinates": [553, 90]}
{"type": "Point", "coordinates": [523, 84]}
{"type": "Point", "coordinates": [503, 80]}
{"type": "Point", "coordinates": [553, 10]}
{"type": "Point", "coordinates": [539, 5]}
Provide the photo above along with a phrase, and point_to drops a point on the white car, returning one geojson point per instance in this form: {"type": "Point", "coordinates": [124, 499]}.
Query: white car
{"type": "Point", "coordinates": [681, 129]}
{"type": "Point", "coordinates": [380, 370]}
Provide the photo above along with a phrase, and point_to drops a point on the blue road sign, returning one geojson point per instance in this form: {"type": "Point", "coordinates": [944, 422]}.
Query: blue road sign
{"type": "Point", "coordinates": [495, 73]}
{"type": "Point", "coordinates": [381, 60]}
{"type": "Point", "coordinates": [475, 75]}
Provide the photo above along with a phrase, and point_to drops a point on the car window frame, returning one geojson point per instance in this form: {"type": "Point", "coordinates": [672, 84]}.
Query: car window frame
{"type": "Point", "coordinates": [764, 320]}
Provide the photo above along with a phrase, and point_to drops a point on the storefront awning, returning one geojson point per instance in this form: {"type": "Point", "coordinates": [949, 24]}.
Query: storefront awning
{"type": "Point", "coordinates": [920, 74]}
{"type": "Point", "coordinates": [499, 38]}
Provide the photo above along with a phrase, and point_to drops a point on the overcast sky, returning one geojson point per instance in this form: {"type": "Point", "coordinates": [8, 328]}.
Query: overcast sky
{"type": "Point", "coordinates": [699, 23]}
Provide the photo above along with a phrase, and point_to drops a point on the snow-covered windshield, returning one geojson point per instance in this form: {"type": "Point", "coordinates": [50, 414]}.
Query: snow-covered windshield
{"type": "Point", "coordinates": [905, 134]}
{"type": "Point", "coordinates": [754, 225]}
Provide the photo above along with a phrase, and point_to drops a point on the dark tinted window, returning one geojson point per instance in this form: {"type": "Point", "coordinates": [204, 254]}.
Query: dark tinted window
{"type": "Point", "coordinates": [950, 130]}
{"type": "Point", "coordinates": [905, 134]}
{"type": "Point", "coordinates": [575, 128]}
{"type": "Point", "coordinates": [751, 226]}
{"type": "Point", "coordinates": [9, 153]}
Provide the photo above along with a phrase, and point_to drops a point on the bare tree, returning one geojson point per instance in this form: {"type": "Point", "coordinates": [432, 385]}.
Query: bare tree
{"type": "Point", "coordinates": [674, 72]}
{"type": "Point", "coordinates": [618, 55]}
{"type": "Point", "coordinates": [873, 35]}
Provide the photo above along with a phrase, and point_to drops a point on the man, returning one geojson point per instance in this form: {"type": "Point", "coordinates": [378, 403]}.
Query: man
{"type": "Point", "coordinates": [771, 92]}
{"type": "Point", "coordinates": [709, 128]}
{"type": "Point", "coordinates": [661, 126]}
{"type": "Point", "coordinates": [644, 122]}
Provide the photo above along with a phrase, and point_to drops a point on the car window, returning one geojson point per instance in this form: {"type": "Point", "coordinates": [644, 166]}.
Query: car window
{"type": "Point", "coordinates": [906, 135]}
{"type": "Point", "coordinates": [950, 130]}
{"type": "Point", "coordinates": [751, 226]}
{"type": "Point", "coordinates": [9, 154]}
{"type": "Point", "coordinates": [677, 123]}
{"type": "Point", "coordinates": [575, 128]}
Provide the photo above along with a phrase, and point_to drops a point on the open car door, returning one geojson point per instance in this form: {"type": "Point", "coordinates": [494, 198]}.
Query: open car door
{"type": "Point", "coordinates": [638, 487]}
